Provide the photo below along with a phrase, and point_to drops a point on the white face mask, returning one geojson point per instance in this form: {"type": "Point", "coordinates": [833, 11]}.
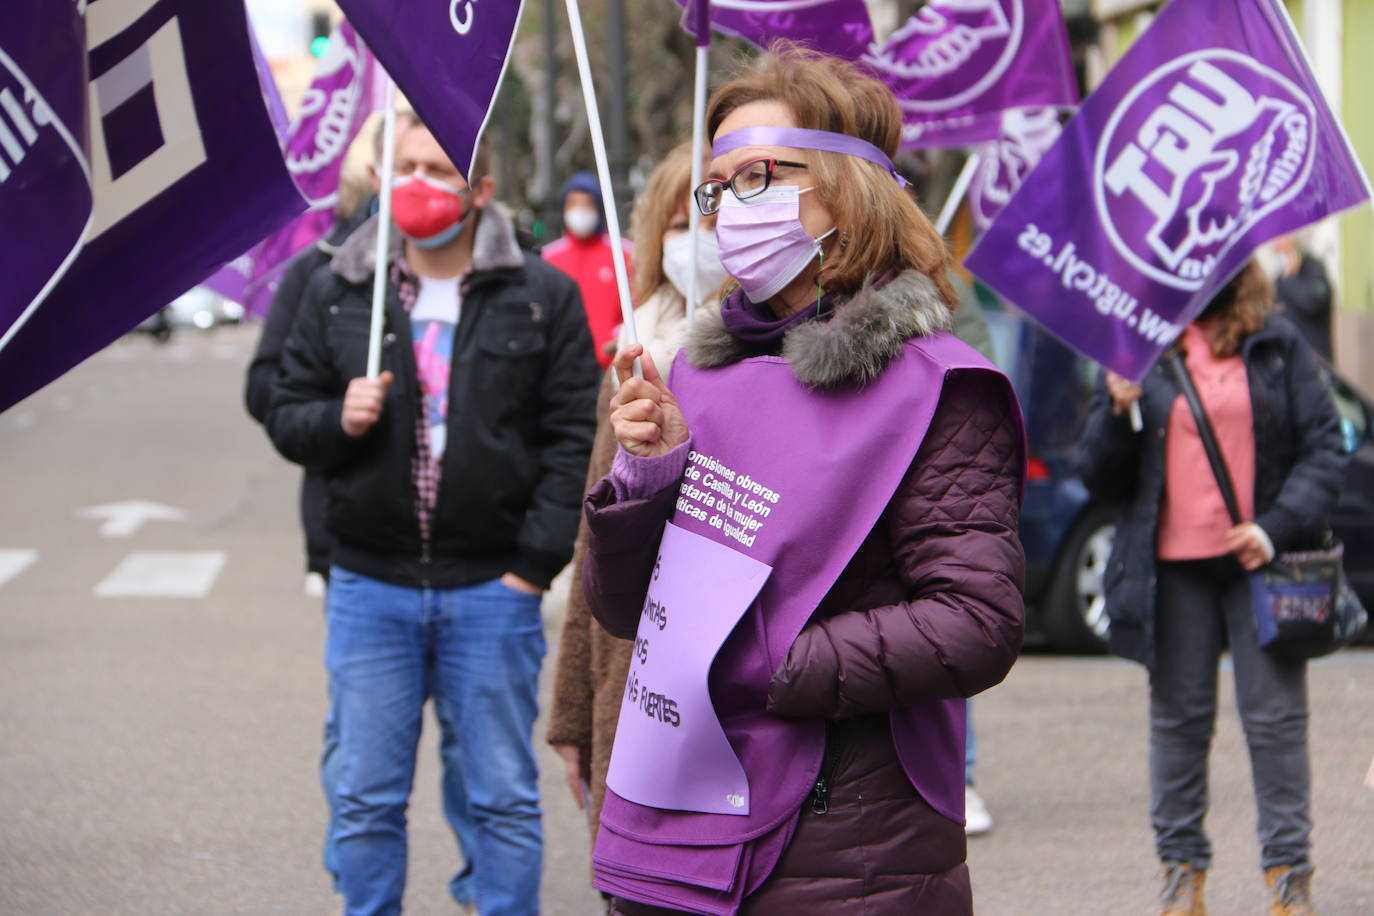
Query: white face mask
{"type": "Point", "coordinates": [677, 263]}
{"type": "Point", "coordinates": [581, 221]}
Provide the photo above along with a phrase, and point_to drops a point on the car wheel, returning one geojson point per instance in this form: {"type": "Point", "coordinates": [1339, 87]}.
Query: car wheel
{"type": "Point", "coordinates": [1075, 609]}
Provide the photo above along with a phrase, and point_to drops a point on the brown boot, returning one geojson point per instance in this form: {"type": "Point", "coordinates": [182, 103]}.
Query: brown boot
{"type": "Point", "coordinates": [1290, 890]}
{"type": "Point", "coordinates": [1182, 894]}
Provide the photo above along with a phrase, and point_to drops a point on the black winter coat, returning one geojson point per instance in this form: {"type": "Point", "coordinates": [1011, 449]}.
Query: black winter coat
{"type": "Point", "coordinates": [1306, 300]}
{"type": "Point", "coordinates": [520, 424]}
{"type": "Point", "coordinates": [266, 365]}
{"type": "Point", "coordinates": [265, 368]}
{"type": "Point", "coordinates": [1299, 465]}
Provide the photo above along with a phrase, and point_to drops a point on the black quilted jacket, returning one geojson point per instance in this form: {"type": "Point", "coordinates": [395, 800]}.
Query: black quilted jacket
{"type": "Point", "coordinates": [1298, 470]}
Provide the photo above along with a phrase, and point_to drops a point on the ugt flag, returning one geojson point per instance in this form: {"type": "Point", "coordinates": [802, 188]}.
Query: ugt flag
{"type": "Point", "coordinates": [348, 87]}
{"type": "Point", "coordinates": [958, 64]}
{"type": "Point", "coordinates": [448, 58]}
{"type": "Point", "coordinates": [156, 105]}
{"type": "Point", "coordinates": [1207, 139]}
{"type": "Point", "coordinates": [1003, 164]}
{"type": "Point", "coordinates": [839, 27]}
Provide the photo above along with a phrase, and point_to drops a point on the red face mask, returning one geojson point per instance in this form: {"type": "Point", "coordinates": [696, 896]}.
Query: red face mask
{"type": "Point", "coordinates": [428, 212]}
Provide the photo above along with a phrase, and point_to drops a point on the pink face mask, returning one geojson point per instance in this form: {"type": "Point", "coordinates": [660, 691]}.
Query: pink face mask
{"type": "Point", "coordinates": [762, 242]}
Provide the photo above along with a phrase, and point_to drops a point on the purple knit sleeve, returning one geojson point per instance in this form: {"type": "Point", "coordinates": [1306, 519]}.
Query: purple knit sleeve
{"type": "Point", "coordinates": [633, 477]}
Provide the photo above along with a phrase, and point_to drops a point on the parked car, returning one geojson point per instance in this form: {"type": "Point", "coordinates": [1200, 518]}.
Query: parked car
{"type": "Point", "coordinates": [1068, 536]}
{"type": "Point", "coordinates": [203, 308]}
{"type": "Point", "coordinates": [199, 307]}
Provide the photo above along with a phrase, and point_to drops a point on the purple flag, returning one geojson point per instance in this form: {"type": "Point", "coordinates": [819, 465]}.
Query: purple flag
{"type": "Point", "coordinates": [231, 280]}
{"type": "Point", "coordinates": [348, 87]}
{"type": "Point", "coordinates": [276, 108]}
{"type": "Point", "coordinates": [184, 164]}
{"type": "Point", "coordinates": [958, 64]}
{"type": "Point", "coordinates": [1027, 133]}
{"type": "Point", "coordinates": [839, 27]}
{"type": "Point", "coordinates": [45, 176]}
{"type": "Point", "coordinates": [447, 58]}
{"type": "Point", "coordinates": [1201, 144]}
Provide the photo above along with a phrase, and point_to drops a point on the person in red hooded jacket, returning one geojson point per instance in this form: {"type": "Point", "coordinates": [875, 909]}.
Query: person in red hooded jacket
{"type": "Point", "coordinates": [584, 253]}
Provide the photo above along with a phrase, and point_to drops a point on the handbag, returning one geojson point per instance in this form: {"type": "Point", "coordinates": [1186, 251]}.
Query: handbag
{"type": "Point", "coordinates": [1302, 603]}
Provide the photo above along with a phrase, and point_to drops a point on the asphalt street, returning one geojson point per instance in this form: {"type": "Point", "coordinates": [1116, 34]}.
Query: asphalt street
{"type": "Point", "coordinates": [162, 691]}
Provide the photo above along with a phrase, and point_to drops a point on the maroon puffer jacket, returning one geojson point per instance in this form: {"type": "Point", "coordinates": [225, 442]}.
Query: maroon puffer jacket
{"type": "Point", "coordinates": [929, 608]}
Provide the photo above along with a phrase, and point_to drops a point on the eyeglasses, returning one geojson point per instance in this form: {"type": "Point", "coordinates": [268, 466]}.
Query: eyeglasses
{"type": "Point", "coordinates": [749, 180]}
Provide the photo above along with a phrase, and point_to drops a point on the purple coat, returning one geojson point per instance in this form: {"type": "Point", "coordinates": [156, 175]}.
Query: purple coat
{"type": "Point", "coordinates": [928, 609]}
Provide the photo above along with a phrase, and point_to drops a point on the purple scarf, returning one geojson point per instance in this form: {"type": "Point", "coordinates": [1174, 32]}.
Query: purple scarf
{"type": "Point", "coordinates": [755, 324]}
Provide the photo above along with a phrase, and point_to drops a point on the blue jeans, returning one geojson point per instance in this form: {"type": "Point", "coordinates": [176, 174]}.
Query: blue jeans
{"type": "Point", "coordinates": [452, 789]}
{"type": "Point", "coordinates": [480, 648]}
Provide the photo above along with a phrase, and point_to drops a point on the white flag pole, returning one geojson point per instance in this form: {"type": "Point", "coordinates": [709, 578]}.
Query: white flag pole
{"type": "Point", "coordinates": [603, 172]}
{"type": "Point", "coordinates": [698, 153]}
{"type": "Point", "coordinates": [379, 275]}
{"type": "Point", "coordinates": [956, 194]}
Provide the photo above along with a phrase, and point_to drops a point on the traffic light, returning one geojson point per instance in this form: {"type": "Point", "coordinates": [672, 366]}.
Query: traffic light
{"type": "Point", "coordinates": [319, 34]}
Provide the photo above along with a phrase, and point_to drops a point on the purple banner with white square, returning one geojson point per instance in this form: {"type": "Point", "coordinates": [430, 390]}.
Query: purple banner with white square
{"type": "Point", "coordinates": [447, 58]}
{"type": "Point", "coordinates": [958, 64]}
{"type": "Point", "coordinates": [1202, 144]}
{"type": "Point", "coordinates": [185, 169]}
{"type": "Point", "coordinates": [839, 27]}
{"type": "Point", "coordinates": [45, 180]}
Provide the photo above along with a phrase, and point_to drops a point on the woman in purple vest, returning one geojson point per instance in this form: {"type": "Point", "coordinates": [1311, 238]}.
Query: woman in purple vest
{"type": "Point", "coordinates": [811, 536]}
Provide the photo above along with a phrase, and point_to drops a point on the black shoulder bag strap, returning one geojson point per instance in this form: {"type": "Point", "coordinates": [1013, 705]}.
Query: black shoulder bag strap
{"type": "Point", "coordinates": [1209, 437]}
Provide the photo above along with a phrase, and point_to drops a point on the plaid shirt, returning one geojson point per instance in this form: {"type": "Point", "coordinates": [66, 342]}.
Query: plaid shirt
{"type": "Point", "coordinates": [425, 472]}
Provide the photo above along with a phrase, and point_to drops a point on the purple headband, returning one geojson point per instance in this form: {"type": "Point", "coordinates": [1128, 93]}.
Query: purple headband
{"type": "Point", "coordinates": [801, 138]}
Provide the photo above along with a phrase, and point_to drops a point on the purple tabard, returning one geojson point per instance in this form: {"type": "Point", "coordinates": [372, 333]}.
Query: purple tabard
{"type": "Point", "coordinates": [795, 480]}
{"type": "Point", "coordinates": [670, 751]}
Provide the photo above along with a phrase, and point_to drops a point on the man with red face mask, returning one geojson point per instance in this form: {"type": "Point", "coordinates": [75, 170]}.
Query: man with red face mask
{"type": "Point", "coordinates": [454, 486]}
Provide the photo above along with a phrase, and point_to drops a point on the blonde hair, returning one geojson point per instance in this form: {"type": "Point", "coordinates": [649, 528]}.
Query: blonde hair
{"type": "Point", "coordinates": [880, 227]}
{"type": "Point", "coordinates": [665, 192]}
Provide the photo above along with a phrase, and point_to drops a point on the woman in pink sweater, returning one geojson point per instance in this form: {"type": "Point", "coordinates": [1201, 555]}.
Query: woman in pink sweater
{"type": "Point", "coordinates": [1177, 593]}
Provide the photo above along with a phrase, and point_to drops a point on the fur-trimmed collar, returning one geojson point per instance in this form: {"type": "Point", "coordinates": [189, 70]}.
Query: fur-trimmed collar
{"type": "Point", "coordinates": [493, 247]}
{"type": "Point", "coordinates": [854, 346]}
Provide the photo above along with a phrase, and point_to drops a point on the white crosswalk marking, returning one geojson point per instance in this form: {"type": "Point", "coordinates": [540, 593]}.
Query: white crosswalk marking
{"type": "Point", "coordinates": [13, 562]}
{"type": "Point", "coordinates": [163, 574]}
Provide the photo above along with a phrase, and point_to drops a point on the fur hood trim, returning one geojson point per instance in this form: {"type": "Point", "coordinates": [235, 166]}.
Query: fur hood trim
{"type": "Point", "coordinates": [493, 247]}
{"type": "Point", "coordinates": [853, 347]}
